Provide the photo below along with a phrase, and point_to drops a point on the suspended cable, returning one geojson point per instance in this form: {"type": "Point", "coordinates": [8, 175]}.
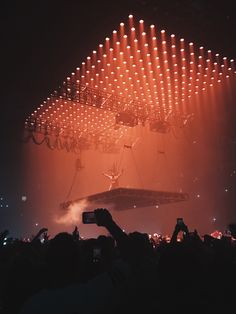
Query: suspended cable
{"type": "Point", "coordinates": [136, 166]}
{"type": "Point", "coordinates": [78, 167]}
{"type": "Point", "coordinates": [121, 158]}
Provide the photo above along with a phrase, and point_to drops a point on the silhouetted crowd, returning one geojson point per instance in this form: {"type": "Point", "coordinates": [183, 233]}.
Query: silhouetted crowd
{"type": "Point", "coordinates": [120, 273]}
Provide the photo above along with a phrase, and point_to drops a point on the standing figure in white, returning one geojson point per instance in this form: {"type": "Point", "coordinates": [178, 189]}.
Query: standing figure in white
{"type": "Point", "coordinates": [113, 175]}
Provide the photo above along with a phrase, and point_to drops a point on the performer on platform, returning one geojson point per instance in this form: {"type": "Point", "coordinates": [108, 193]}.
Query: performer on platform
{"type": "Point", "coordinates": [113, 175]}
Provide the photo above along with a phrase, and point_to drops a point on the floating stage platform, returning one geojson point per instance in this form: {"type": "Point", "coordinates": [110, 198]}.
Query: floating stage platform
{"type": "Point", "coordinates": [125, 198]}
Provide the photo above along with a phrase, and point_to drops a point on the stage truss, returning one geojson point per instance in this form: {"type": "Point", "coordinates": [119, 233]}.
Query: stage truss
{"type": "Point", "coordinates": [138, 78]}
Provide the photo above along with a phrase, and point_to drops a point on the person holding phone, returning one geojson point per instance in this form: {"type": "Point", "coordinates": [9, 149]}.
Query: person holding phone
{"type": "Point", "coordinates": [180, 226]}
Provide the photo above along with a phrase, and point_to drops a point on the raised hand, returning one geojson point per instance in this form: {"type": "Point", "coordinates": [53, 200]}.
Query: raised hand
{"type": "Point", "coordinates": [43, 230]}
{"type": "Point", "coordinates": [75, 233]}
{"type": "Point", "coordinates": [45, 237]}
{"type": "Point", "coordinates": [103, 217]}
{"type": "Point", "coordinates": [3, 235]}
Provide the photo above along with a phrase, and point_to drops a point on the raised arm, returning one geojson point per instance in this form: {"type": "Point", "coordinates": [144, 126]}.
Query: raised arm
{"type": "Point", "coordinates": [104, 218]}
{"type": "Point", "coordinates": [178, 228]}
{"type": "Point", "coordinates": [106, 175]}
{"type": "Point", "coordinates": [120, 174]}
{"type": "Point", "coordinates": [38, 235]}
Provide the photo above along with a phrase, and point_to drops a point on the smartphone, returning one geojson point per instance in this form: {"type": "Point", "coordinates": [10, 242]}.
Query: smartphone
{"type": "Point", "coordinates": [88, 218]}
{"type": "Point", "coordinates": [180, 221]}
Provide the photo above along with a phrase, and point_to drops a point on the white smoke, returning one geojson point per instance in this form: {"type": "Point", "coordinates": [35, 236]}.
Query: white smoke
{"type": "Point", "coordinates": [73, 214]}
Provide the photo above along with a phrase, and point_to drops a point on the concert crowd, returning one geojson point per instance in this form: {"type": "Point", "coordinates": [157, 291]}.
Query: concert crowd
{"type": "Point", "coordinates": [118, 273]}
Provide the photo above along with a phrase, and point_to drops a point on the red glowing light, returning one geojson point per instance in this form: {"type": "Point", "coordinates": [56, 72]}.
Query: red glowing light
{"type": "Point", "coordinates": [130, 66]}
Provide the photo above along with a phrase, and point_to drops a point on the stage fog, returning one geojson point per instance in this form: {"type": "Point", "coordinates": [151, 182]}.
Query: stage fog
{"type": "Point", "coordinates": [190, 159]}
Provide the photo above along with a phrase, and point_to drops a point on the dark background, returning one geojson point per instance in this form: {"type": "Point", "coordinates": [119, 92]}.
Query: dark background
{"type": "Point", "coordinates": [43, 41]}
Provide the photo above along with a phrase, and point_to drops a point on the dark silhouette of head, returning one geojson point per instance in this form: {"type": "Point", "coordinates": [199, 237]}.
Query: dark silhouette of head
{"type": "Point", "coordinates": [63, 258]}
